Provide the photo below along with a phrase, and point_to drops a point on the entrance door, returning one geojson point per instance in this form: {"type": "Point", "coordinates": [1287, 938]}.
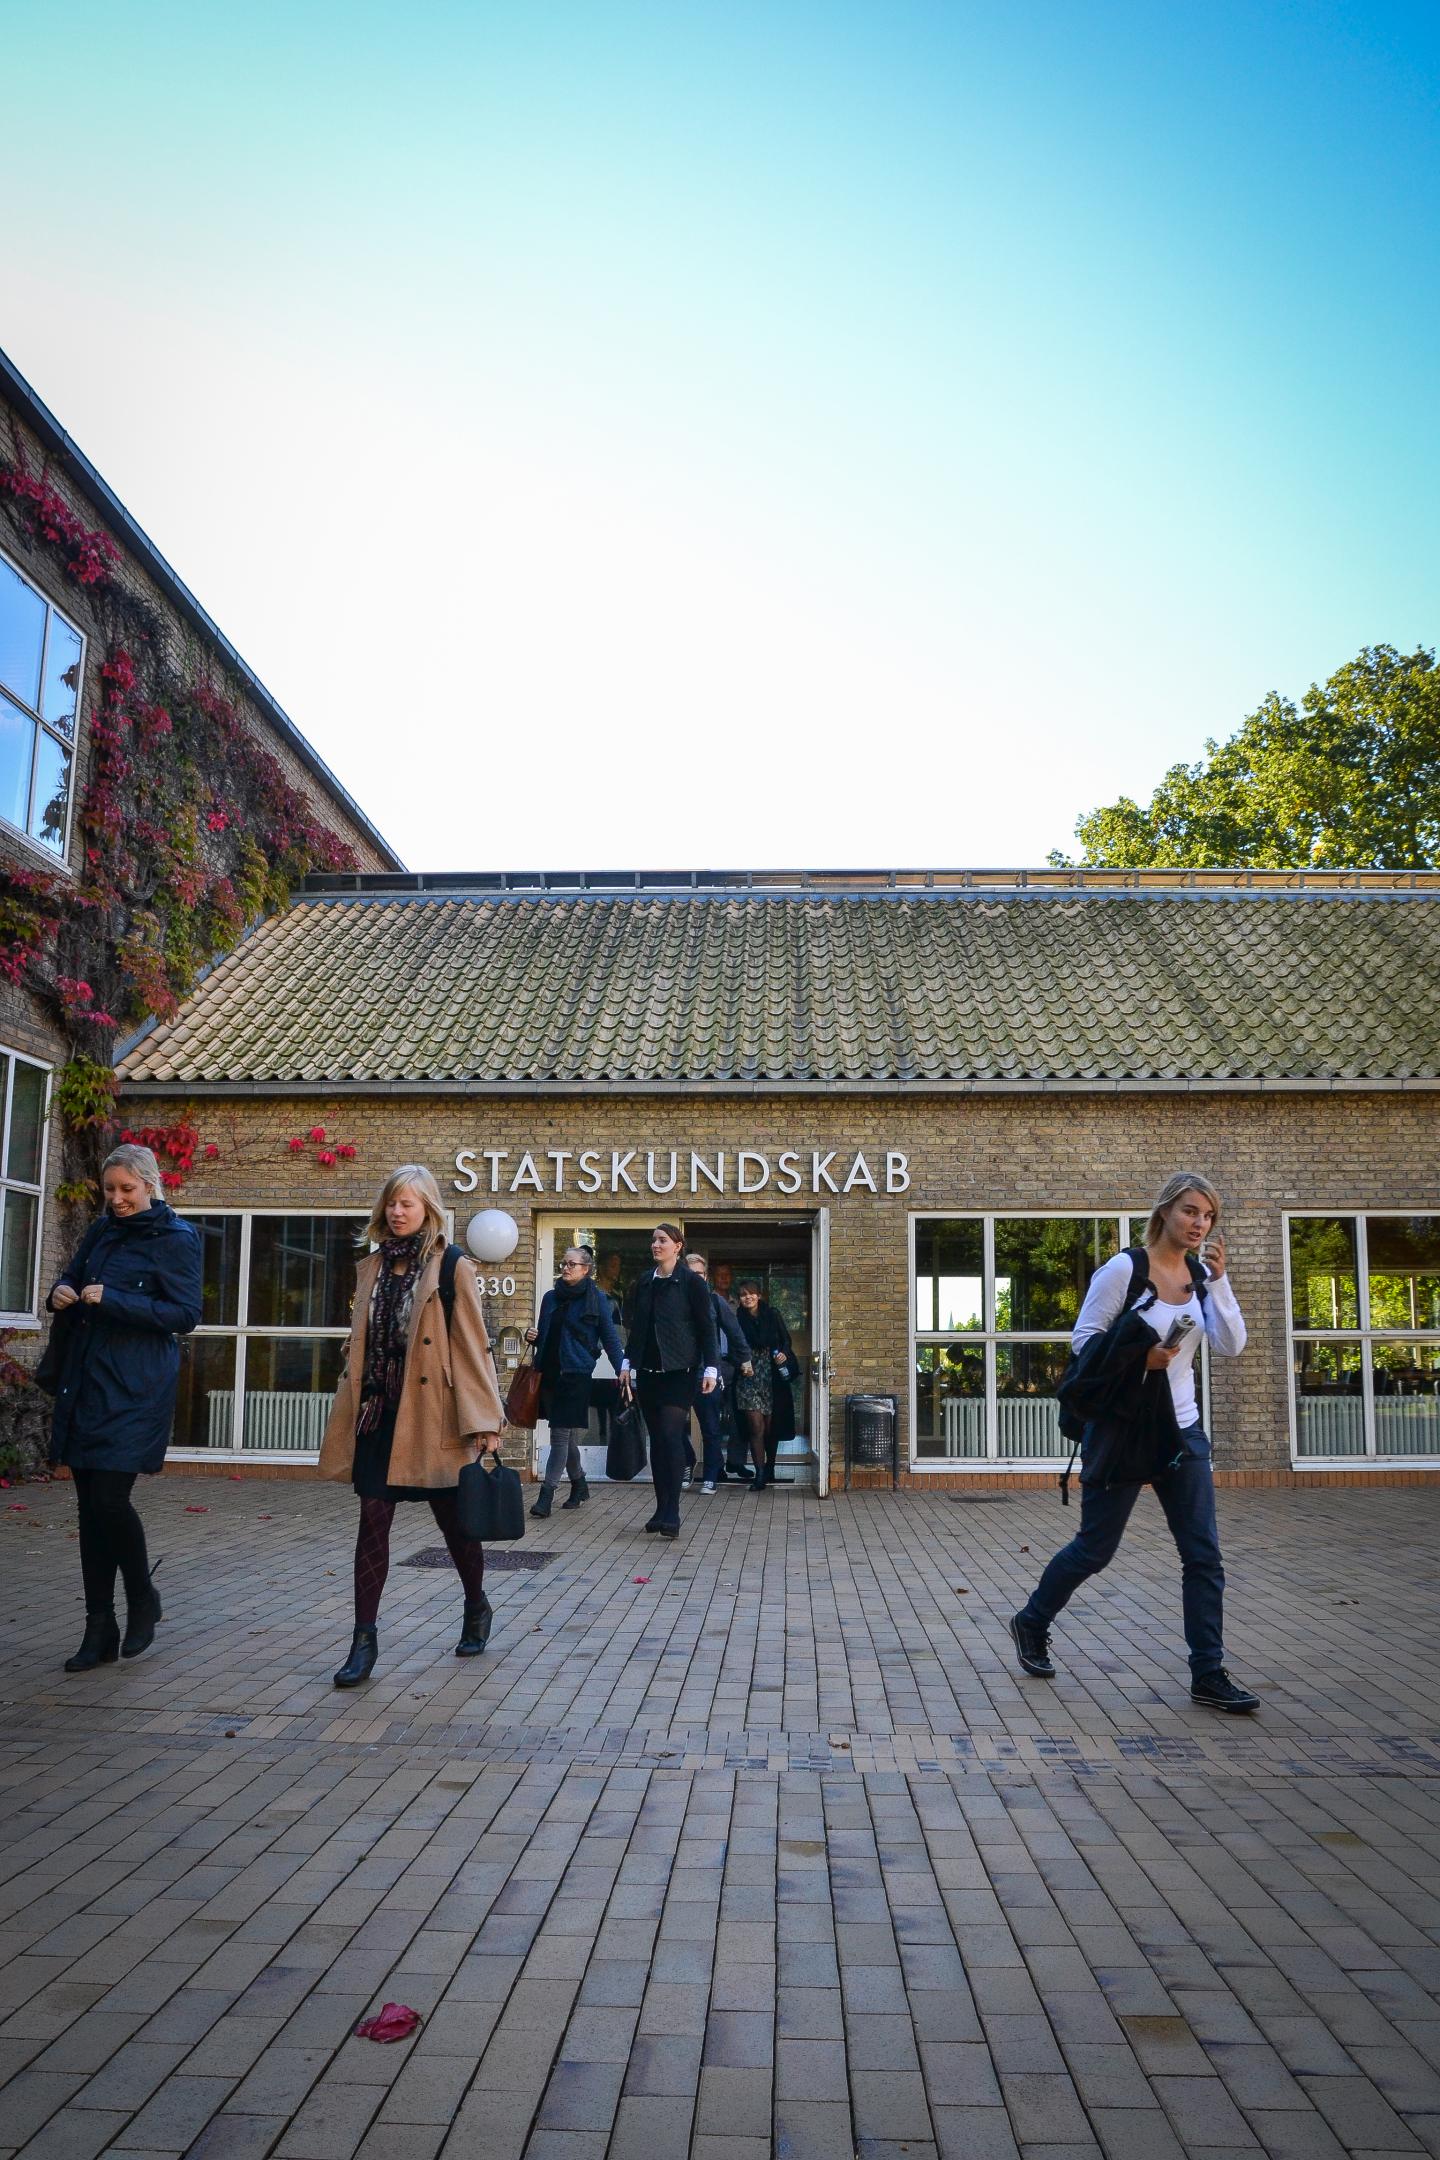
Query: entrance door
{"type": "Point", "coordinates": [820, 1345]}
{"type": "Point", "coordinates": [621, 1245]}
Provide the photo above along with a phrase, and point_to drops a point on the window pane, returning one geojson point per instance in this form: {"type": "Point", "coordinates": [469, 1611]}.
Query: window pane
{"type": "Point", "coordinates": [1404, 1270]}
{"type": "Point", "coordinates": [1027, 1415]}
{"type": "Point", "coordinates": [950, 1400]}
{"type": "Point", "coordinates": [52, 791]}
{"type": "Point", "coordinates": [1043, 1269]}
{"type": "Point", "coordinates": [1329, 1412]}
{"type": "Point", "coordinates": [22, 635]}
{"type": "Point", "coordinates": [27, 1124]}
{"type": "Point", "coordinates": [62, 676]}
{"type": "Point", "coordinates": [949, 1272]}
{"type": "Point", "coordinates": [1322, 1272]}
{"type": "Point", "coordinates": [1407, 1398]}
{"type": "Point", "coordinates": [220, 1269]}
{"type": "Point", "coordinates": [302, 1270]}
{"type": "Point", "coordinates": [205, 1404]}
{"type": "Point", "coordinates": [290, 1383]}
{"type": "Point", "coordinates": [17, 747]}
{"type": "Point", "coordinates": [17, 1252]}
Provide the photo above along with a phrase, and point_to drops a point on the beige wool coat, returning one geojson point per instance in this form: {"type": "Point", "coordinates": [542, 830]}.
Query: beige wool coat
{"type": "Point", "coordinates": [448, 1398]}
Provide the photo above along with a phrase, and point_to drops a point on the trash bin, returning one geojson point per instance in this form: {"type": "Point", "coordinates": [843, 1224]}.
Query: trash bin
{"type": "Point", "coordinates": [871, 1430]}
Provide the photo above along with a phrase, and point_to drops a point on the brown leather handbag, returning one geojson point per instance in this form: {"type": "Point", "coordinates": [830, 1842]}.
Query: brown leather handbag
{"type": "Point", "coordinates": [522, 1403]}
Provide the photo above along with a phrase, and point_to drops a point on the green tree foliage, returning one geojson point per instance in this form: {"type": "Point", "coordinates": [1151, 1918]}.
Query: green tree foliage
{"type": "Point", "coordinates": [1348, 779]}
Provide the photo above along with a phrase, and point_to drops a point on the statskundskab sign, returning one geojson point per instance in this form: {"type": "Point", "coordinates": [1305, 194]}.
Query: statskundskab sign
{"type": "Point", "coordinates": [675, 1170]}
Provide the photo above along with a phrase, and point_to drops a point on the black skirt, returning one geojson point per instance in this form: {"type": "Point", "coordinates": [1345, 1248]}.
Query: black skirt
{"type": "Point", "coordinates": [673, 1390]}
{"type": "Point", "coordinates": [565, 1399]}
{"type": "Point", "coordinates": [371, 1470]}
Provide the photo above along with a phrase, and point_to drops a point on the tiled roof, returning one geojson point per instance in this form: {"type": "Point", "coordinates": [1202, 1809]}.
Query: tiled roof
{"type": "Point", "coordinates": [803, 989]}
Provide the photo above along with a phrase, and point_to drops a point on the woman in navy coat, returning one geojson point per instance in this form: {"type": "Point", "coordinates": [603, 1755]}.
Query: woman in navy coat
{"type": "Point", "coordinates": [132, 1289]}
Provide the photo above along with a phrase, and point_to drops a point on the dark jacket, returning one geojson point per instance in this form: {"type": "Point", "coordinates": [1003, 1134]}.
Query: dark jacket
{"type": "Point", "coordinates": [120, 1359]}
{"type": "Point", "coordinates": [1130, 1434]}
{"type": "Point", "coordinates": [734, 1350]}
{"type": "Point", "coordinates": [584, 1324]}
{"type": "Point", "coordinates": [684, 1326]}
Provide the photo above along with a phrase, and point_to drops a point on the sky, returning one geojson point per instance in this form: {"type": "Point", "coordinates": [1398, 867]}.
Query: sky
{"type": "Point", "coordinates": [748, 434]}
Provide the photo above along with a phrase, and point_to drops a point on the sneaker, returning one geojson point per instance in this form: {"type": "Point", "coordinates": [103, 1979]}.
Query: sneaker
{"type": "Point", "coordinates": [1217, 1691]}
{"type": "Point", "coordinates": [709, 1485]}
{"type": "Point", "coordinates": [1033, 1644]}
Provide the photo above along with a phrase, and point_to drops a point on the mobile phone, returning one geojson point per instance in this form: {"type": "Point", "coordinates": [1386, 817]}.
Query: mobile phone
{"type": "Point", "coordinates": [1178, 1332]}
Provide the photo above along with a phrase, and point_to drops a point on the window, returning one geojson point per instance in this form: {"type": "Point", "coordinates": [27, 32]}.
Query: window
{"type": "Point", "coordinates": [42, 661]}
{"type": "Point", "coordinates": [22, 1159]}
{"type": "Point", "coordinates": [996, 1297]}
{"type": "Point", "coordinates": [260, 1371]}
{"type": "Point", "coordinates": [1364, 1335]}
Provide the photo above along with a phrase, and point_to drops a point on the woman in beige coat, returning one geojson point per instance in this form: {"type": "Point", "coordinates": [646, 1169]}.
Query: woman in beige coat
{"type": "Point", "coordinates": [415, 1401]}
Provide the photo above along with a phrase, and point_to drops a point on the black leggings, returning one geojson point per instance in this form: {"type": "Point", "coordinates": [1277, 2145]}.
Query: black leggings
{"type": "Point", "coordinates": [111, 1536]}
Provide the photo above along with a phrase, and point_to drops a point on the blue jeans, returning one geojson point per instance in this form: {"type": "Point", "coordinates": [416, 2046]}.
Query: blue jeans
{"type": "Point", "coordinates": [1187, 1495]}
{"type": "Point", "coordinates": [712, 1434]}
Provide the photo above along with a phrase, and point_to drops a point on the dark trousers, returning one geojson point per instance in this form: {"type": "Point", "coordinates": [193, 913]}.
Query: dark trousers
{"type": "Point", "coordinates": [668, 1422]}
{"type": "Point", "coordinates": [1187, 1495]}
{"type": "Point", "coordinates": [111, 1536]}
{"type": "Point", "coordinates": [712, 1433]}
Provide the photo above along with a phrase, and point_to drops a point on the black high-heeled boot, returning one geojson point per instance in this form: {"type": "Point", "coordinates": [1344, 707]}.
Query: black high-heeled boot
{"type": "Point", "coordinates": [140, 1619]}
{"type": "Point", "coordinates": [579, 1493]}
{"type": "Point", "coordinates": [364, 1649]}
{"type": "Point", "coordinates": [101, 1645]}
{"type": "Point", "coordinates": [475, 1629]}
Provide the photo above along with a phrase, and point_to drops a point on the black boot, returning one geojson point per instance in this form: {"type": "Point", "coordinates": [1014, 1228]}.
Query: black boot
{"type": "Point", "coordinates": [102, 1642]}
{"type": "Point", "coordinates": [140, 1619]}
{"type": "Point", "coordinates": [364, 1649]}
{"type": "Point", "coordinates": [579, 1492]}
{"type": "Point", "coordinates": [544, 1501]}
{"type": "Point", "coordinates": [762, 1479]}
{"type": "Point", "coordinates": [475, 1627]}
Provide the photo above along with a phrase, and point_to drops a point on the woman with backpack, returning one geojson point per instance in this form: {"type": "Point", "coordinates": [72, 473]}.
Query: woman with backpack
{"type": "Point", "coordinates": [113, 1365]}
{"type": "Point", "coordinates": [416, 1401]}
{"type": "Point", "coordinates": [1176, 1283]}
{"type": "Point", "coordinates": [672, 1350]}
{"type": "Point", "coordinates": [576, 1321]}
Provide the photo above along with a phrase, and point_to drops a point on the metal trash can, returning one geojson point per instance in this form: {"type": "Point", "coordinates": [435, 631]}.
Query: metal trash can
{"type": "Point", "coordinates": [872, 1434]}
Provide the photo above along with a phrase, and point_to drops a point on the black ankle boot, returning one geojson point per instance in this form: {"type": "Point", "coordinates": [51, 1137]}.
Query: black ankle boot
{"type": "Point", "coordinates": [102, 1642]}
{"type": "Point", "coordinates": [364, 1649]}
{"type": "Point", "coordinates": [475, 1627]}
{"type": "Point", "coordinates": [140, 1619]}
{"type": "Point", "coordinates": [579, 1492]}
{"type": "Point", "coordinates": [544, 1501]}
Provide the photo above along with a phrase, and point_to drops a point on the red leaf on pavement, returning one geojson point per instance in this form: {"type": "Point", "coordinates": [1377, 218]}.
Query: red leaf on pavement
{"type": "Point", "coordinates": [395, 2022]}
{"type": "Point", "coordinates": [197, 1510]}
{"type": "Point", "coordinates": [640, 1578]}
{"type": "Point", "coordinates": [235, 1477]}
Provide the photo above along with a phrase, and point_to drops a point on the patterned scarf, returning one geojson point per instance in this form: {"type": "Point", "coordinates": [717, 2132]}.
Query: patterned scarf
{"type": "Point", "coordinates": [389, 1327]}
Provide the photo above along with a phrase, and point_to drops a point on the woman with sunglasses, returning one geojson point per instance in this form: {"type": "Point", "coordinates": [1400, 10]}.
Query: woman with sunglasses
{"type": "Point", "coordinates": [576, 1322]}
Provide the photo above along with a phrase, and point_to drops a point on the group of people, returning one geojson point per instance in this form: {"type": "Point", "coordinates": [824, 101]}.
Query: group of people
{"type": "Point", "coordinates": [418, 1398]}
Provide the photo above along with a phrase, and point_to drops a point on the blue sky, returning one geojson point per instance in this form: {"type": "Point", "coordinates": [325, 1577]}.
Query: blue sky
{"type": "Point", "coordinates": [743, 434]}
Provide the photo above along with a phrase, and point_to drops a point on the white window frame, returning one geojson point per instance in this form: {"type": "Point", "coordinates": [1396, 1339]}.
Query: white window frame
{"type": "Point", "coordinates": [1131, 1222]}
{"type": "Point", "coordinates": [30, 1318]}
{"type": "Point", "coordinates": [1363, 1335]}
{"type": "Point", "coordinates": [72, 744]}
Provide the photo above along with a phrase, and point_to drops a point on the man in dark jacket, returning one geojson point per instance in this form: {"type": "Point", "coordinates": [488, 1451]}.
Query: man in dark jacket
{"type": "Point", "coordinates": [710, 1409]}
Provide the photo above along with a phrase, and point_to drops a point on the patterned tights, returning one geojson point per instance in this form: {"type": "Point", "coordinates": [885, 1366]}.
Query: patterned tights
{"type": "Point", "coordinates": [372, 1553]}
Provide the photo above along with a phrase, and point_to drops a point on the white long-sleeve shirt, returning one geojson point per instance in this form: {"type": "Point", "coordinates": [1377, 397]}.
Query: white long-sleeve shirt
{"type": "Point", "coordinates": [1220, 1317]}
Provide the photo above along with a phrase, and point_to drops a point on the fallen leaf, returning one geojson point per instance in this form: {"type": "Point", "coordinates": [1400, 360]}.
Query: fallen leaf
{"type": "Point", "coordinates": [197, 1510]}
{"type": "Point", "coordinates": [640, 1578]}
{"type": "Point", "coordinates": [1024, 1548]}
{"type": "Point", "coordinates": [235, 1477]}
{"type": "Point", "coordinates": [19, 1507]}
{"type": "Point", "coordinates": [395, 2022]}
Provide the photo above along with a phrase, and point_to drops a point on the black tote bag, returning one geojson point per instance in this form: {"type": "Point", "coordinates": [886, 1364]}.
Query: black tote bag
{"type": "Point", "coordinates": [625, 1456]}
{"type": "Point", "coordinates": [491, 1501]}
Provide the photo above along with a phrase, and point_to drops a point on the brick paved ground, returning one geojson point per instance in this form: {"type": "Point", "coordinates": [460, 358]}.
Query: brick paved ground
{"type": "Point", "coordinates": [771, 1852]}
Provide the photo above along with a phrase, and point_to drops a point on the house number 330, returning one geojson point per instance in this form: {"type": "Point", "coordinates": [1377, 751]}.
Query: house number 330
{"type": "Point", "coordinates": [496, 1285]}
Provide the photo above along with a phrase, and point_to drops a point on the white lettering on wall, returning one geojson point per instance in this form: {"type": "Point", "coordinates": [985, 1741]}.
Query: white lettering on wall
{"type": "Point", "coordinates": [527, 1175]}
{"type": "Point", "coordinates": [897, 1172]}
{"type": "Point", "coordinates": [650, 1177]}
{"type": "Point", "coordinates": [700, 1168]}
{"type": "Point", "coordinates": [495, 1156]}
{"type": "Point", "coordinates": [559, 1156]}
{"type": "Point", "coordinates": [859, 1175]}
{"type": "Point", "coordinates": [465, 1164]}
{"type": "Point", "coordinates": [753, 1171]}
{"type": "Point", "coordinates": [618, 1170]}
{"type": "Point", "coordinates": [788, 1179]}
{"type": "Point", "coordinates": [589, 1170]}
{"type": "Point", "coordinates": [744, 1184]}
{"type": "Point", "coordinates": [820, 1178]}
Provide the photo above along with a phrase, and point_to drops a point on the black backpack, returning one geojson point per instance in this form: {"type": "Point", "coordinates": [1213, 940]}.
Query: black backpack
{"type": "Point", "coordinates": [448, 1265]}
{"type": "Point", "coordinates": [1072, 1422]}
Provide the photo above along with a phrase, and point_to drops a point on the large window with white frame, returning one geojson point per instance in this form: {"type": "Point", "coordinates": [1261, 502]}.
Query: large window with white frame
{"type": "Point", "coordinates": [42, 666]}
{"type": "Point", "coordinates": [1364, 1294]}
{"type": "Point", "coordinates": [995, 1298]}
{"type": "Point", "coordinates": [259, 1373]}
{"type": "Point", "coordinates": [26, 1105]}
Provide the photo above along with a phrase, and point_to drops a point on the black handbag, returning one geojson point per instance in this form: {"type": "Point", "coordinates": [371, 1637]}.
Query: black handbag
{"type": "Point", "coordinates": [491, 1501]}
{"type": "Point", "coordinates": [51, 1368]}
{"type": "Point", "coordinates": [626, 1455]}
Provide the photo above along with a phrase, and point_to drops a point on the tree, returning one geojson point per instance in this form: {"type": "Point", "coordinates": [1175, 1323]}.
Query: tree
{"type": "Point", "coordinates": [1348, 779]}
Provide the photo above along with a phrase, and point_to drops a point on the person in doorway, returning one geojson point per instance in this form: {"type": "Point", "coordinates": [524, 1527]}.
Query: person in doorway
{"type": "Point", "coordinates": [768, 1342]}
{"type": "Point", "coordinates": [575, 1323]}
{"type": "Point", "coordinates": [1183, 1263]}
{"type": "Point", "coordinates": [737, 1447]}
{"type": "Point", "coordinates": [130, 1292]}
{"type": "Point", "coordinates": [710, 1409]}
{"type": "Point", "coordinates": [608, 1282]}
{"type": "Point", "coordinates": [671, 1354]}
{"type": "Point", "coordinates": [416, 1401]}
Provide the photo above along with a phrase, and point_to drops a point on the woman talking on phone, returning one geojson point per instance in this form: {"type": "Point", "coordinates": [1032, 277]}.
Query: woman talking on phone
{"type": "Point", "coordinates": [1182, 1262]}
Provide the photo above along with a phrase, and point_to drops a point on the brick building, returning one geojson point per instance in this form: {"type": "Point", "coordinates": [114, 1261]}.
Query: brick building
{"type": "Point", "coordinates": [919, 1108]}
{"type": "Point", "coordinates": [122, 708]}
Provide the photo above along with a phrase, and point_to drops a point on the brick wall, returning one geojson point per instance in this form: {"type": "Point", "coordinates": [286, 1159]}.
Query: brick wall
{"type": "Point", "coordinates": [1266, 1152]}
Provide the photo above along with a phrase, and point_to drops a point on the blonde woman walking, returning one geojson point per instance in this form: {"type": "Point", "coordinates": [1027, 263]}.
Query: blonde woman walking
{"type": "Point", "coordinates": [416, 1401]}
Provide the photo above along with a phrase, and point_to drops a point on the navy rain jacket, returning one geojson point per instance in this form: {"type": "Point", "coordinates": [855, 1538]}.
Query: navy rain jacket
{"type": "Point", "coordinates": [120, 1359]}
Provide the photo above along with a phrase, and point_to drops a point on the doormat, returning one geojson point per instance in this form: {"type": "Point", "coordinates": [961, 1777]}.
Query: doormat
{"type": "Point", "coordinates": [503, 1558]}
{"type": "Point", "coordinates": [980, 1499]}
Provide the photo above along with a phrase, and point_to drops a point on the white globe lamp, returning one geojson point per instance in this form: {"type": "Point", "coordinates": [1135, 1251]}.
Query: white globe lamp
{"type": "Point", "coordinates": [492, 1235]}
